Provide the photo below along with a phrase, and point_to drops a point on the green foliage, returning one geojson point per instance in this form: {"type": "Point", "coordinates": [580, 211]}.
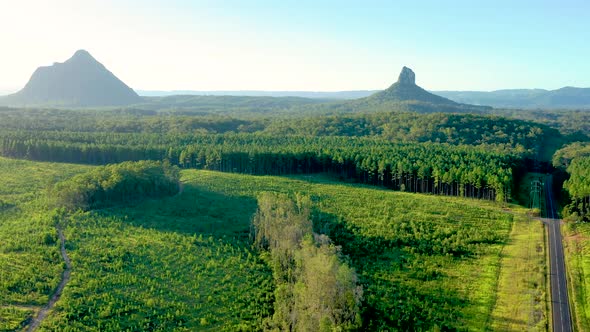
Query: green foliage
{"type": "Point", "coordinates": [573, 123]}
{"type": "Point", "coordinates": [136, 273]}
{"type": "Point", "coordinates": [564, 156]}
{"type": "Point", "coordinates": [421, 167]}
{"type": "Point", "coordinates": [117, 183]}
{"type": "Point", "coordinates": [424, 262]}
{"type": "Point", "coordinates": [412, 127]}
{"type": "Point", "coordinates": [577, 251]}
{"type": "Point", "coordinates": [326, 293]}
{"type": "Point", "coordinates": [30, 263]}
{"type": "Point", "coordinates": [24, 181]}
{"type": "Point", "coordinates": [280, 225]}
{"type": "Point", "coordinates": [29, 253]}
{"type": "Point", "coordinates": [315, 290]}
{"type": "Point", "coordinates": [184, 263]}
{"type": "Point", "coordinates": [578, 186]}
{"type": "Point", "coordinates": [13, 318]}
{"type": "Point", "coordinates": [29, 256]}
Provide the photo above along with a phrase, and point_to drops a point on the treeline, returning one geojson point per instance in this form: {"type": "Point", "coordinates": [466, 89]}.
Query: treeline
{"type": "Point", "coordinates": [573, 170]}
{"type": "Point", "coordinates": [578, 187]}
{"type": "Point", "coordinates": [116, 184]}
{"type": "Point", "coordinates": [315, 289]}
{"type": "Point", "coordinates": [416, 167]}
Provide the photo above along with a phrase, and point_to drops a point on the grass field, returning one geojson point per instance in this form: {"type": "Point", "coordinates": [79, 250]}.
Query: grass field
{"type": "Point", "coordinates": [577, 251]}
{"type": "Point", "coordinates": [29, 253]}
{"type": "Point", "coordinates": [151, 267]}
{"type": "Point", "coordinates": [185, 263]}
{"type": "Point", "coordinates": [397, 242]}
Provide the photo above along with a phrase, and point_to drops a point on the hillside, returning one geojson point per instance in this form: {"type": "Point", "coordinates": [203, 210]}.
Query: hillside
{"type": "Point", "coordinates": [405, 95]}
{"type": "Point", "coordinates": [566, 97]}
{"type": "Point", "coordinates": [405, 89]}
{"type": "Point", "coordinates": [81, 81]}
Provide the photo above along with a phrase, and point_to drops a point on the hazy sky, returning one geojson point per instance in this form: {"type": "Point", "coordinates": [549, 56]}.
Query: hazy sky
{"type": "Point", "coordinates": [304, 45]}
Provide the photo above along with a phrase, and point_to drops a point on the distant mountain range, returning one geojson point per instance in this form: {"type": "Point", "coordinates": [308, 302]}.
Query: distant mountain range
{"type": "Point", "coordinates": [258, 93]}
{"type": "Point", "coordinates": [568, 97]}
{"type": "Point", "coordinates": [403, 95]}
{"type": "Point", "coordinates": [81, 81]}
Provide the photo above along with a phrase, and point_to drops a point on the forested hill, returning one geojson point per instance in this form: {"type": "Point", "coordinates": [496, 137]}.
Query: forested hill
{"type": "Point", "coordinates": [80, 81]}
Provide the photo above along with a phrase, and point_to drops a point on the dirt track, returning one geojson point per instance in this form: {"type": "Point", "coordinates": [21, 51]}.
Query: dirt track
{"type": "Point", "coordinates": [36, 321]}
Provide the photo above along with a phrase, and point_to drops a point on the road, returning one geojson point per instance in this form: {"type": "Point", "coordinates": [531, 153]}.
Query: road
{"type": "Point", "coordinates": [562, 321]}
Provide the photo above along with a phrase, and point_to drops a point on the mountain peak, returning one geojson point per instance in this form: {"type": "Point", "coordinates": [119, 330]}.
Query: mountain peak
{"type": "Point", "coordinates": [407, 76]}
{"type": "Point", "coordinates": [82, 55]}
{"type": "Point", "coordinates": [80, 81]}
{"type": "Point", "coordinates": [406, 90]}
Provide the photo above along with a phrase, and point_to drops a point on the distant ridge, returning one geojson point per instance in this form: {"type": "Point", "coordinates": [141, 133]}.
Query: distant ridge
{"type": "Point", "coordinates": [352, 94]}
{"type": "Point", "coordinates": [81, 81]}
{"type": "Point", "coordinates": [566, 97]}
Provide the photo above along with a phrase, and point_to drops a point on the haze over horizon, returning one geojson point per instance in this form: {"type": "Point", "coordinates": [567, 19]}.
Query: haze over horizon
{"type": "Point", "coordinates": [303, 46]}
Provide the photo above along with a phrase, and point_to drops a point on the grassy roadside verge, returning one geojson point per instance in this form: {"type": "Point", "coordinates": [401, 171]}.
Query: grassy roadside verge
{"type": "Point", "coordinates": [577, 251]}
{"type": "Point", "coordinates": [522, 297]}
{"type": "Point", "coordinates": [548, 281]}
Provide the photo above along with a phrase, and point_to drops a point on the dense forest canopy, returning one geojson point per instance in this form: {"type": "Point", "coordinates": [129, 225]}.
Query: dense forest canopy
{"type": "Point", "coordinates": [500, 132]}
{"type": "Point", "coordinates": [564, 156]}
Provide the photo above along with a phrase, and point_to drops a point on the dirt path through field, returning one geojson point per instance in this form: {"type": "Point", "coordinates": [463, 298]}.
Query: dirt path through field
{"type": "Point", "coordinates": [64, 280]}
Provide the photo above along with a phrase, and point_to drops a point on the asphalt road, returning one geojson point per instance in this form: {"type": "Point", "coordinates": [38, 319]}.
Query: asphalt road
{"type": "Point", "coordinates": [562, 321]}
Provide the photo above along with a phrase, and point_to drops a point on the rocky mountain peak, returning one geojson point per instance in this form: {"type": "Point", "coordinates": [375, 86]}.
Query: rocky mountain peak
{"type": "Point", "coordinates": [407, 76]}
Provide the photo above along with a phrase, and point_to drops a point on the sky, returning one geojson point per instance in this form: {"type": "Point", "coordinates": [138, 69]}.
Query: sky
{"type": "Point", "coordinates": [304, 45]}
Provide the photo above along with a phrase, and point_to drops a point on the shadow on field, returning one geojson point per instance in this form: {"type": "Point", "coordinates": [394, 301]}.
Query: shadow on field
{"type": "Point", "coordinates": [194, 211]}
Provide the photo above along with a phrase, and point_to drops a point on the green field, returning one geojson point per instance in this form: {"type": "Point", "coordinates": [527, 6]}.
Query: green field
{"type": "Point", "coordinates": [186, 263]}
{"type": "Point", "coordinates": [425, 261]}
{"type": "Point", "coordinates": [29, 252]}
{"type": "Point", "coordinates": [577, 252]}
